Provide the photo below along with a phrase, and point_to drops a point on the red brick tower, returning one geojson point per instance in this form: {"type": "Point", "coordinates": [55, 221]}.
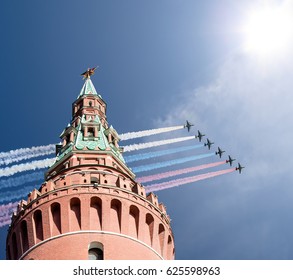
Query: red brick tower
{"type": "Point", "coordinates": [90, 206]}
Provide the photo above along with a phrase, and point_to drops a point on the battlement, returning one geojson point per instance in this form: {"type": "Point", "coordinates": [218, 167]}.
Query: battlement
{"type": "Point", "coordinates": [81, 199]}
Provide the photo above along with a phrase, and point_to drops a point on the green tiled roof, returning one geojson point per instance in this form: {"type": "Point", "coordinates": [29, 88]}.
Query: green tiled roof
{"type": "Point", "coordinates": [88, 88]}
{"type": "Point", "coordinates": [96, 143]}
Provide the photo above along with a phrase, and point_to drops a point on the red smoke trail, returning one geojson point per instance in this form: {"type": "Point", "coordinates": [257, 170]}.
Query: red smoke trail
{"type": "Point", "coordinates": [6, 211]}
{"type": "Point", "coordinates": [5, 222]}
{"type": "Point", "coordinates": [5, 218]}
{"type": "Point", "coordinates": [178, 172]}
{"type": "Point", "coordinates": [10, 207]}
{"type": "Point", "coordinates": [186, 180]}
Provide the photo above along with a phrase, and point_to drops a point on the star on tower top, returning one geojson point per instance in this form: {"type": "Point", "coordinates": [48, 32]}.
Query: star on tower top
{"type": "Point", "coordinates": [89, 72]}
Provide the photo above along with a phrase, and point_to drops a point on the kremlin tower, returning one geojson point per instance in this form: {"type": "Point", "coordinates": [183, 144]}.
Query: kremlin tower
{"type": "Point", "coordinates": [90, 206]}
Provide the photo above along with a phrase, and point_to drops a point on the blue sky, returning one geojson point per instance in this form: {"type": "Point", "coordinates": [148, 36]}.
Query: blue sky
{"type": "Point", "coordinates": [160, 63]}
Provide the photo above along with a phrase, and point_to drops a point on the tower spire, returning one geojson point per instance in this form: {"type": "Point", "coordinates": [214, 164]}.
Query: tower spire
{"type": "Point", "coordinates": [88, 133]}
{"type": "Point", "coordinates": [90, 204]}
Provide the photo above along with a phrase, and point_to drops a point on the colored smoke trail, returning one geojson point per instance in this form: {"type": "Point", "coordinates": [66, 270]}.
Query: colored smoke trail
{"type": "Point", "coordinates": [5, 222]}
{"type": "Point", "coordinates": [156, 165]}
{"type": "Point", "coordinates": [5, 217]}
{"type": "Point", "coordinates": [149, 155]}
{"type": "Point", "coordinates": [21, 180]}
{"type": "Point", "coordinates": [178, 172]}
{"type": "Point", "coordinates": [36, 151]}
{"type": "Point", "coordinates": [186, 180]}
{"type": "Point", "coordinates": [132, 135]}
{"type": "Point", "coordinates": [141, 146]}
{"type": "Point", "coordinates": [25, 153]}
{"type": "Point", "coordinates": [6, 210]}
{"type": "Point", "coordinates": [9, 207]}
{"type": "Point", "coordinates": [17, 194]}
{"type": "Point", "coordinates": [36, 164]}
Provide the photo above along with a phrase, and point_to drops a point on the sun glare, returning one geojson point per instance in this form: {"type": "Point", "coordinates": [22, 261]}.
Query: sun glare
{"type": "Point", "coordinates": [269, 31]}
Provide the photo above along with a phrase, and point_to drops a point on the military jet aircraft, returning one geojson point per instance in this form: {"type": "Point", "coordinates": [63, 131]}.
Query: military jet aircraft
{"type": "Point", "coordinates": [199, 135]}
{"type": "Point", "coordinates": [220, 152]}
{"type": "Point", "coordinates": [230, 160]}
{"type": "Point", "coordinates": [188, 125]}
{"type": "Point", "coordinates": [209, 143]}
{"type": "Point", "coordinates": [239, 168]}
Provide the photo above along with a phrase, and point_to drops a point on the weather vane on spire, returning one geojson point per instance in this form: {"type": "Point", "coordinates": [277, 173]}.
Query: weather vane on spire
{"type": "Point", "coordinates": [89, 72]}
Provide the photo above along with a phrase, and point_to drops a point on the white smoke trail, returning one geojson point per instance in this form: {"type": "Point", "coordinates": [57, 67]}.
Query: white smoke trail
{"type": "Point", "coordinates": [25, 153]}
{"type": "Point", "coordinates": [132, 135]}
{"type": "Point", "coordinates": [36, 164]}
{"type": "Point", "coordinates": [36, 151]}
{"type": "Point", "coordinates": [134, 147]}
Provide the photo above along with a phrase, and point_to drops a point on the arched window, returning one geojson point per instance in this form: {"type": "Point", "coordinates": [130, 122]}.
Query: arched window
{"type": "Point", "coordinates": [96, 251]}
{"type": "Point", "coordinates": [75, 215]}
{"type": "Point", "coordinates": [24, 236]}
{"type": "Point", "coordinates": [115, 215]}
{"type": "Point", "coordinates": [150, 224]}
{"type": "Point", "coordinates": [133, 221]}
{"type": "Point", "coordinates": [38, 225]}
{"type": "Point", "coordinates": [161, 237]}
{"type": "Point", "coordinates": [56, 219]}
{"type": "Point", "coordinates": [8, 253]}
{"type": "Point", "coordinates": [14, 247]}
{"type": "Point", "coordinates": [96, 213]}
{"type": "Point", "coordinates": [170, 249]}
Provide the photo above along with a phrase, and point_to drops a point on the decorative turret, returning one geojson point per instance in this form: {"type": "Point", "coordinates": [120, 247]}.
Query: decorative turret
{"type": "Point", "coordinates": [90, 204]}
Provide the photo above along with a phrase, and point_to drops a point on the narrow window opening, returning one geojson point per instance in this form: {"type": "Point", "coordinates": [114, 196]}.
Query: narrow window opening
{"type": "Point", "coordinates": [96, 251]}
{"type": "Point", "coordinates": [14, 247]}
{"type": "Point", "coordinates": [95, 181]}
{"type": "Point", "coordinates": [56, 219]}
{"type": "Point", "coordinates": [75, 214]}
{"type": "Point", "coordinates": [38, 226]}
{"type": "Point", "coordinates": [24, 236]}
{"type": "Point", "coordinates": [150, 223]}
{"type": "Point", "coordinates": [91, 132]}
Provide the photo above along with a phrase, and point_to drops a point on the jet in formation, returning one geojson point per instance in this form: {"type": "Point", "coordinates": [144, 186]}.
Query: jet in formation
{"type": "Point", "coordinates": [199, 135]}
{"type": "Point", "coordinates": [230, 160]}
{"type": "Point", "coordinates": [188, 125]}
{"type": "Point", "coordinates": [220, 152]}
{"type": "Point", "coordinates": [208, 143]}
{"type": "Point", "coordinates": [239, 168]}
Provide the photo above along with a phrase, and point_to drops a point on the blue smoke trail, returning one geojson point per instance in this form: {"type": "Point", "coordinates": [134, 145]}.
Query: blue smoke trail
{"type": "Point", "coordinates": [156, 165]}
{"type": "Point", "coordinates": [21, 180]}
{"type": "Point", "coordinates": [18, 194]}
{"type": "Point", "coordinates": [149, 155]}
